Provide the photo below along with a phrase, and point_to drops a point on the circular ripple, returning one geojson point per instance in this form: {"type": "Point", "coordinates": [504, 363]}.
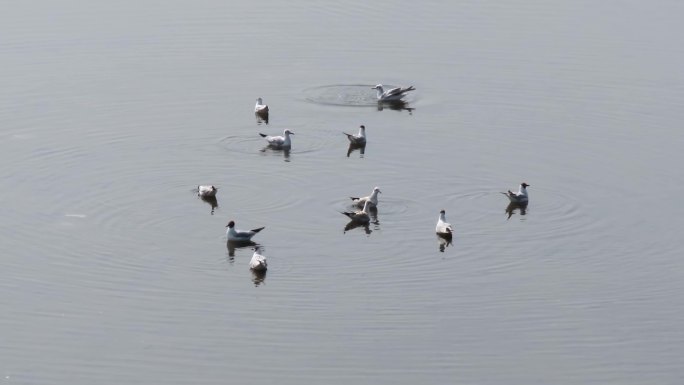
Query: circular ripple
{"type": "Point", "coordinates": [350, 95]}
{"type": "Point", "coordinates": [253, 144]}
{"type": "Point", "coordinates": [554, 214]}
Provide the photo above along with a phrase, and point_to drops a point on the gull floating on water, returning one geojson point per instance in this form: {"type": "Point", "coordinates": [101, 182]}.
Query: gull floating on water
{"type": "Point", "coordinates": [240, 235]}
{"type": "Point", "coordinates": [279, 141]}
{"type": "Point", "coordinates": [521, 196]}
{"type": "Point", "coordinates": [443, 227]}
{"type": "Point", "coordinates": [393, 94]}
{"type": "Point", "coordinates": [206, 191]}
{"type": "Point", "coordinates": [359, 216]}
{"type": "Point", "coordinates": [258, 261]}
{"type": "Point", "coordinates": [260, 107]}
{"type": "Point", "coordinates": [372, 199]}
{"type": "Point", "coordinates": [358, 139]}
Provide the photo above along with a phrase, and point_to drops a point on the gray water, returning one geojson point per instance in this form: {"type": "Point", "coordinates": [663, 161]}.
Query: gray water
{"type": "Point", "coordinates": [115, 272]}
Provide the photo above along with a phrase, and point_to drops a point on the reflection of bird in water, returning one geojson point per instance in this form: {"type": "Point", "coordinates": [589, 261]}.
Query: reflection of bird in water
{"type": "Point", "coordinates": [444, 240]}
{"type": "Point", "coordinates": [373, 212]}
{"type": "Point", "coordinates": [397, 105]}
{"type": "Point", "coordinates": [212, 201]}
{"type": "Point", "coordinates": [206, 191]}
{"type": "Point", "coordinates": [261, 118]}
{"type": "Point", "coordinates": [240, 235]}
{"type": "Point", "coordinates": [510, 209]}
{"type": "Point", "coordinates": [373, 198]}
{"type": "Point", "coordinates": [360, 147]}
{"type": "Point", "coordinates": [279, 142]}
{"type": "Point", "coordinates": [359, 216]}
{"type": "Point", "coordinates": [519, 197]}
{"type": "Point", "coordinates": [258, 261]}
{"type": "Point", "coordinates": [392, 94]}
{"type": "Point", "coordinates": [258, 277]}
{"type": "Point", "coordinates": [358, 139]}
{"type": "Point", "coordinates": [232, 245]}
{"type": "Point", "coordinates": [354, 224]}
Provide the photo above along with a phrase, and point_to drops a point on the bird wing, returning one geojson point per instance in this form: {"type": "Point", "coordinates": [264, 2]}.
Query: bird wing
{"type": "Point", "coordinates": [275, 140]}
{"type": "Point", "coordinates": [398, 91]}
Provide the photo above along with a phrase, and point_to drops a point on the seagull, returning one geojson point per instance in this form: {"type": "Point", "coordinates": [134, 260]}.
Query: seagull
{"type": "Point", "coordinates": [443, 227]}
{"type": "Point", "coordinates": [279, 141]}
{"type": "Point", "coordinates": [240, 235]}
{"type": "Point", "coordinates": [372, 199]}
{"type": "Point", "coordinates": [521, 196]}
{"type": "Point", "coordinates": [359, 216]}
{"type": "Point", "coordinates": [393, 94]}
{"type": "Point", "coordinates": [260, 107]}
{"type": "Point", "coordinates": [206, 191]}
{"type": "Point", "coordinates": [358, 139]}
{"type": "Point", "coordinates": [258, 261]}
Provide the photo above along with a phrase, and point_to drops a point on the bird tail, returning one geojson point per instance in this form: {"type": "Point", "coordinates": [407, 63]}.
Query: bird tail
{"type": "Point", "coordinates": [410, 88]}
{"type": "Point", "coordinates": [263, 135]}
{"type": "Point", "coordinates": [259, 229]}
{"type": "Point", "coordinates": [354, 198]}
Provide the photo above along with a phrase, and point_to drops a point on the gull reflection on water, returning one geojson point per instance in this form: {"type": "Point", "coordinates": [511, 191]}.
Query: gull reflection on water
{"type": "Point", "coordinates": [233, 245]}
{"type": "Point", "coordinates": [258, 277]}
{"type": "Point", "coordinates": [212, 202]}
{"type": "Point", "coordinates": [354, 224]}
{"type": "Point", "coordinates": [510, 209]}
{"type": "Point", "coordinates": [396, 105]}
{"type": "Point", "coordinates": [285, 151]}
{"type": "Point", "coordinates": [353, 147]}
{"type": "Point", "coordinates": [261, 118]}
{"type": "Point", "coordinates": [444, 241]}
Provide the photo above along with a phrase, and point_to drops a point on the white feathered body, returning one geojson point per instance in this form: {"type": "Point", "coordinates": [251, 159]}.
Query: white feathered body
{"type": "Point", "coordinates": [260, 107]}
{"type": "Point", "coordinates": [443, 227]}
{"type": "Point", "coordinates": [358, 139]}
{"type": "Point", "coordinates": [372, 199]}
{"type": "Point", "coordinates": [206, 191]}
{"type": "Point", "coordinates": [393, 94]}
{"type": "Point", "coordinates": [520, 197]}
{"type": "Point", "coordinates": [234, 234]}
{"type": "Point", "coordinates": [283, 141]}
{"type": "Point", "coordinates": [258, 262]}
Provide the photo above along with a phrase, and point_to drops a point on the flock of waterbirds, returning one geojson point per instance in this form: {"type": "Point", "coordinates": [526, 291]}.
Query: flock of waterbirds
{"type": "Point", "coordinates": [367, 204]}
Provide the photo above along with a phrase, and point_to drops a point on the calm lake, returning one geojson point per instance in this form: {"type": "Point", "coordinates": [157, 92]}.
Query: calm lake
{"type": "Point", "coordinates": [115, 272]}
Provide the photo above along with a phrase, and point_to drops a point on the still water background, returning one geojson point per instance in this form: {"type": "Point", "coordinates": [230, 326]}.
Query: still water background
{"type": "Point", "coordinates": [113, 271]}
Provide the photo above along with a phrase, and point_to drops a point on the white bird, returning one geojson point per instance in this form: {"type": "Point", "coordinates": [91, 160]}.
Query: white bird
{"type": "Point", "coordinates": [260, 107]}
{"type": "Point", "coordinates": [358, 139]}
{"type": "Point", "coordinates": [359, 216]}
{"type": "Point", "coordinates": [521, 196]}
{"type": "Point", "coordinates": [372, 199]}
{"type": "Point", "coordinates": [258, 261]}
{"type": "Point", "coordinates": [393, 94]}
{"type": "Point", "coordinates": [240, 235]}
{"type": "Point", "coordinates": [279, 141]}
{"type": "Point", "coordinates": [206, 191]}
{"type": "Point", "coordinates": [443, 227]}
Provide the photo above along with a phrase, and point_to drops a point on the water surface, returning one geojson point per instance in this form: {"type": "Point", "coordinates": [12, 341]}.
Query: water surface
{"type": "Point", "coordinates": [115, 272]}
